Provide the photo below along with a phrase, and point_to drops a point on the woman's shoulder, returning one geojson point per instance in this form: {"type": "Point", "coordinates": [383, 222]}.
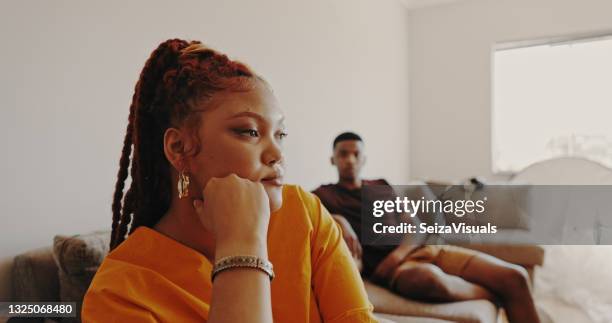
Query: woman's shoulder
{"type": "Point", "coordinates": [296, 194]}
{"type": "Point", "coordinates": [136, 261]}
{"type": "Point", "coordinates": [116, 277]}
{"type": "Point", "coordinates": [133, 271]}
{"type": "Point", "coordinates": [300, 205]}
{"type": "Point", "coordinates": [295, 197]}
{"type": "Point", "coordinates": [123, 289]}
{"type": "Point", "coordinates": [123, 264]}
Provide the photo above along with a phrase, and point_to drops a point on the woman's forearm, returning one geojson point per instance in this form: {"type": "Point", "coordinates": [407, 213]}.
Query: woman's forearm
{"type": "Point", "coordinates": [241, 294]}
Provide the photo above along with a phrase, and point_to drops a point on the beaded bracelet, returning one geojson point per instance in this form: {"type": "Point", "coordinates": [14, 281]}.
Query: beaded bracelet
{"type": "Point", "coordinates": [243, 262]}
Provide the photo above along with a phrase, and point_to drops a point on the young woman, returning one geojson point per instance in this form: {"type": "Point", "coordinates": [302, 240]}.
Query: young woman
{"type": "Point", "coordinates": [214, 234]}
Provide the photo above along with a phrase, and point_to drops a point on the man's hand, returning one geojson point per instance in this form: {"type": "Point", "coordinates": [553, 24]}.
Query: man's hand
{"type": "Point", "coordinates": [385, 268]}
{"type": "Point", "coordinates": [351, 239]}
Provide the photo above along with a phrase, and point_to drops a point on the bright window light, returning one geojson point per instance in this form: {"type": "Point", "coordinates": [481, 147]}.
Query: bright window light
{"type": "Point", "coordinates": [552, 100]}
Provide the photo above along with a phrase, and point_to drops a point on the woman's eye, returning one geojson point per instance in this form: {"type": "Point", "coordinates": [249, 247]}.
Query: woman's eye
{"type": "Point", "coordinates": [282, 135]}
{"type": "Point", "coordinates": [249, 132]}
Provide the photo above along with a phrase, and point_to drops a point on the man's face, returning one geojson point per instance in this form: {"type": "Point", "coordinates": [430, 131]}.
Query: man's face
{"type": "Point", "coordinates": [348, 158]}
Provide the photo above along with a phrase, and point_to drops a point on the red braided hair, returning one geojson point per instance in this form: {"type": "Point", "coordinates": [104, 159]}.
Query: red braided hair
{"type": "Point", "coordinates": [177, 75]}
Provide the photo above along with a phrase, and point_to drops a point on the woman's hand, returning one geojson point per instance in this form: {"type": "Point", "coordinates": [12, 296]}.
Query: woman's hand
{"type": "Point", "coordinates": [237, 212]}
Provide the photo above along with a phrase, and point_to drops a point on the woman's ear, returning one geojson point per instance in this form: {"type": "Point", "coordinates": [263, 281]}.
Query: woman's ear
{"type": "Point", "coordinates": [331, 160]}
{"type": "Point", "coordinates": [176, 145]}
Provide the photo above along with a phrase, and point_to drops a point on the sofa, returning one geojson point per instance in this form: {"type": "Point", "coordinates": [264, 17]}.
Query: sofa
{"type": "Point", "coordinates": [62, 271]}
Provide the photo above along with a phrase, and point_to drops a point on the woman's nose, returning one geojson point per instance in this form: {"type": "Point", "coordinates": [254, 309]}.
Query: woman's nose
{"type": "Point", "coordinates": [273, 153]}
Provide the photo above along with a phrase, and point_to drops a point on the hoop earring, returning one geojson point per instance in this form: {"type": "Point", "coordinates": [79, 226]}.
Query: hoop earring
{"type": "Point", "coordinates": [183, 185]}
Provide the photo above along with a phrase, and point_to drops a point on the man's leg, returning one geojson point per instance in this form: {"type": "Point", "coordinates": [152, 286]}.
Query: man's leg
{"type": "Point", "coordinates": [508, 281]}
{"type": "Point", "coordinates": [427, 282]}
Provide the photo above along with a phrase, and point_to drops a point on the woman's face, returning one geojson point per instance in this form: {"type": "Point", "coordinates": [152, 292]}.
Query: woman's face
{"type": "Point", "coordinates": [241, 133]}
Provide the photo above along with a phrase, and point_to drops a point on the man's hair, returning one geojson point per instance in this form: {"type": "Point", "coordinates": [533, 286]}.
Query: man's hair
{"type": "Point", "coordinates": [346, 136]}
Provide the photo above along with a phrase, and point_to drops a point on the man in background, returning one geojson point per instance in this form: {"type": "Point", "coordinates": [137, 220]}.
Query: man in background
{"type": "Point", "coordinates": [424, 272]}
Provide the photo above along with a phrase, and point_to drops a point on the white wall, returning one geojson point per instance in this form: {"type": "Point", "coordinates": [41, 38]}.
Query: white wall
{"type": "Point", "coordinates": [450, 74]}
{"type": "Point", "coordinates": [68, 69]}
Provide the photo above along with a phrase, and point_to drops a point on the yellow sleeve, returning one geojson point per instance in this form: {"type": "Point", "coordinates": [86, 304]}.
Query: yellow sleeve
{"type": "Point", "coordinates": [337, 285]}
{"type": "Point", "coordinates": [108, 307]}
{"type": "Point", "coordinates": [120, 293]}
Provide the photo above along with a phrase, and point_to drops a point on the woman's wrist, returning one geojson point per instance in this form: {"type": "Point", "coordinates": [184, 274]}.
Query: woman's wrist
{"type": "Point", "coordinates": [237, 262]}
{"type": "Point", "coordinates": [254, 246]}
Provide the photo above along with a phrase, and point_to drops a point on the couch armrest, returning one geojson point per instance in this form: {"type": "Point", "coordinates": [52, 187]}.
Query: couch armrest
{"type": "Point", "coordinates": [35, 276]}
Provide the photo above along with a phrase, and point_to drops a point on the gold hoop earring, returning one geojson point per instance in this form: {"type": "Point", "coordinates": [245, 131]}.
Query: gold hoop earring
{"type": "Point", "coordinates": [183, 185]}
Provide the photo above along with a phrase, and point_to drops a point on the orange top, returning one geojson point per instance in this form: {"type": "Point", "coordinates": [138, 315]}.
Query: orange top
{"type": "Point", "coordinates": [152, 278]}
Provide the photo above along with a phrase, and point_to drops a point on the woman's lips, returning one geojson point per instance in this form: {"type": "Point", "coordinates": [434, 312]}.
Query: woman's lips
{"type": "Point", "coordinates": [275, 181]}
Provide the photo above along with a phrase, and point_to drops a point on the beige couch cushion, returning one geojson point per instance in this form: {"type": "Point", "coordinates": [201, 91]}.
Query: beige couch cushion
{"type": "Point", "coordinates": [78, 258]}
{"type": "Point", "coordinates": [389, 318]}
{"type": "Point", "coordinates": [384, 301]}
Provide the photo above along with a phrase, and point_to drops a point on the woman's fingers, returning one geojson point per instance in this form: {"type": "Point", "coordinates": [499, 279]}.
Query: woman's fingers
{"type": "Point", "coordinates": [236, 211]}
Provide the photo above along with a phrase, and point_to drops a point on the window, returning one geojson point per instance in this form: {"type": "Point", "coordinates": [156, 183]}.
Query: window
{"type": "Point", "coordinates": [552, 100]}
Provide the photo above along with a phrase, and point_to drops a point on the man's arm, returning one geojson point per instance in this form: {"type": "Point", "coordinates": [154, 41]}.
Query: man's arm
{"type": "Point", "coordinates": [350, 237]}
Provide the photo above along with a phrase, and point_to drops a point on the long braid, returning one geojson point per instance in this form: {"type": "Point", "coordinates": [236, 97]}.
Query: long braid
{"type": "Point", "coordinates": [144, 95]}
{"type": "Point", "coordinates": [124, 164]}
{"type": "Point", "coordinates": [176, 73]}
